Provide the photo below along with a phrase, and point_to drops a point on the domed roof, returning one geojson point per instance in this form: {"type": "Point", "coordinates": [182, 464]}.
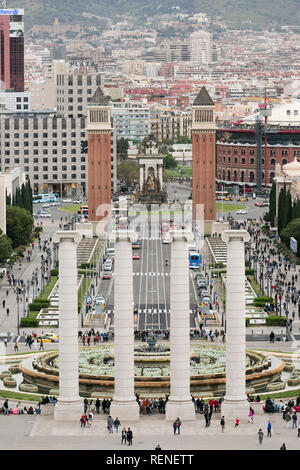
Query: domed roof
{"type": "Point", "coordinates": [292, 168]}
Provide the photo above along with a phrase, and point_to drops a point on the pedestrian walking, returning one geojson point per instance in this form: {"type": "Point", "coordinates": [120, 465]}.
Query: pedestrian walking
{"type": "Point", "coordinates": [110, 423]}
{"type": "Point", "coordinates": [251, 416]}
{"type": "Point", "coordinates": [3, 303]}
{"type": "Point", "coordinates": [129, 436]}
{"type": "Point", "coordinates": [175, 426]}
{"type": "Point", "coordinates": [7, 311]}
{"type": "Point", "coordinates": [178, 425]}
{"type": "Point", "coordinates": [222, 422]}
{"type": "Point", "coordinates": [116, 424]}
{"type": "Point", "coordinates": [5, 342]}
{"type": "Point", "coordinates": [124, 436]}
{"type": "Point", "coordinates": [237, 422]}
{"type": "Point", "coordinates": [283, 447]}
{"type": "Point", "coordinates": [269, 429]}
{"type": "Point", "coordinates": [42, 344]}
{"type": "Point", "coordinates": [294, 418]}
{"type": "Point", "coordinates": [260, 436]}
{"type": "Point", "coordinates": [16, 346]}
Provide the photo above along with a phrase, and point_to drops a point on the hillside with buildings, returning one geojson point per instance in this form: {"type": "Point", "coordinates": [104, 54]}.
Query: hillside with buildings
{"type": "Point", "coordinates": [234, 12]}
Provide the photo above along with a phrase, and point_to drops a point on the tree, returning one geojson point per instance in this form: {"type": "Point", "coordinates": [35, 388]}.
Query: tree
{"type": "Point", "coordinates": [272, 204]}
{"type": "Point", "coordinates": [129, 171]}
{"type": "Point", "coordinates": [5, 247]}
{"type": "Point", "coordinates": [19, 224]}
{"type": "Point", "coordinates": [169, 162]}
{"type": "Point", "coordinates": [183, 139]}
{"type": "Point", "coordinates": [122, 148]}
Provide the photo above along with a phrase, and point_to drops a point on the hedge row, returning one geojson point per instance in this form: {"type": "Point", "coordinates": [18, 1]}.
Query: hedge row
{"type": "Point", "coordinates": [249, 272]}
{"type": "Point", "coordinates": [29, 322]}
{"type": "Point", "coordinates": [270, 321]}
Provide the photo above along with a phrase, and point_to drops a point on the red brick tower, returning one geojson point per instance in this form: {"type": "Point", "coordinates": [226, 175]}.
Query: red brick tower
{"type": "Point", "coordinates": [99, 156]}
{"type": "Point", "coordinates": [204, 158]}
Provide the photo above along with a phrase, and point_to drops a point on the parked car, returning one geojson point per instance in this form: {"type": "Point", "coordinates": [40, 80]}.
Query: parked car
{"type": "Point", "coordinates": [242, 211]}
{"type": "Point", "coordinates": [107, 275]}
{"type": "Point", "coordinates": [45, 215]}
{"type": "Point", "coordinates": [135, 257]}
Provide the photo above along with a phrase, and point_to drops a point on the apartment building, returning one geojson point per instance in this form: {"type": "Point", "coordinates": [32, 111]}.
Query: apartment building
{"type": "Point", "coordinates": [132, 119]}
{"type": "Point", "coordinates": [170, 125]}
{"type": "Point", "coordinates": [49, 152]}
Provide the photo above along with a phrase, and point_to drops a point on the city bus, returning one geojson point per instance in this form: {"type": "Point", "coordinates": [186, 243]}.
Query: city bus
{"type": "Point", "coordinates": [41, 198]}
{"type": "Point", "coordinates": [194, 260]}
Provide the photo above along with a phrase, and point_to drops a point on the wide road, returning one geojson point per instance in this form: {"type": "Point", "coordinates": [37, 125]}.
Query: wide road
{"type": "Point", "coordinates": [151, 284]}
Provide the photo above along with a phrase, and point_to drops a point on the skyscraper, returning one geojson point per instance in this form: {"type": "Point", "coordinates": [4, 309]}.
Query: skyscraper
{"type": "Point", "coordinates": [12, 49]}
{"type": "Point", "coordinates": [204, 157]}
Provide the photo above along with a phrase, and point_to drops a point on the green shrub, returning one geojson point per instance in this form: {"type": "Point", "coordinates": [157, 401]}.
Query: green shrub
{"type": "Point", "coordinates": [263, 299]}
{"type": "Point", "coordinates": [249, 272]}
{"type": "Point", "coordinates": [275, 321]}
{"type": "Point", "coordinates": [87, 265]}
{"type": "Point", "coordinates": [54, 272]}
{"type": "Point", "coordinates": [35, 307]}
{"type": "Point", "coordinates": [29, 322]}
{"type": "Point", "coordinates": [43, 302]}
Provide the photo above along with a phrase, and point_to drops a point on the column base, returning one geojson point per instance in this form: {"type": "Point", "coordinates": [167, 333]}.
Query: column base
{"type": "Point", "coordinates": [183, 409]}
{"type": "Point", "coordinates": [232, 409]}
{"type": "Point", "coordinates": [125, 410]}
{"type": "Point", "coordinates": [68, 409]}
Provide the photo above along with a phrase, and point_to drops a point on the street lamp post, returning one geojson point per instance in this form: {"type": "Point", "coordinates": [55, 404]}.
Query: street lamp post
{"type": "Point", "coordinates": [18, 313]}
{"type": "Point", "coordinates": [28, 289]}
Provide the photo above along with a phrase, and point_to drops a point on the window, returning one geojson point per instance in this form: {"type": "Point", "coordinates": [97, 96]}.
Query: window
{"type": "Point", "coordinates": [54, 177]}
{"type": "Point", "coordinates": [64, 168]}
{"type": "Point", "coordinates": [35, 160]}
{"type": "Point", "coordinates": [45, 160]}
{"type": "Point", "coordinates": [64, 176]}
{"type": "Point", "coordinates": [54, 159]}
{"type": "Point", "coordinates": [54, 168]}
{"type": "Point", "coordinates": [16, 136]}
{"type": "Point", "coordinates": [45, 177]}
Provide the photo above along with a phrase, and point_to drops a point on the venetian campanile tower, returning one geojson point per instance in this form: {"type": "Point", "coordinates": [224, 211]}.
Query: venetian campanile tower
{"type": "Point", "coordinates": [204, 157]}
{"type": "Point", "coordinates": [99, 156]}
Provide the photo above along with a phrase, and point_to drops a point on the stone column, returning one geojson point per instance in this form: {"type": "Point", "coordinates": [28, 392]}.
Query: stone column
{"type": "Point", "coordinates": [235, 402]}
{"type": "Point", "coordinates": [180, 401]}
{"type": "Point", "coordinates": [69, 405]}
{"type": "Point", "coordinates": [142, 177]}
{"type": "Point", "coordinates": [160, 168]}
{"type": "Point", "coordinates": [124, 404]}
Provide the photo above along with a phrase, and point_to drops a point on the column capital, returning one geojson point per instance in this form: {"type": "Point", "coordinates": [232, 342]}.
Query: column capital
{"type": "Point", "coordinates": [72, 235]}
{"type": "Point", "coordinates": [182, 235]}
{"type": "Point", "coordinates": [123, 235]}
{"type": "Point", "coordinates": [231, 235]}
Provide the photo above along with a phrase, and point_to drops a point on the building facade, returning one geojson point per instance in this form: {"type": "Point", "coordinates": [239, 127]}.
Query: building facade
{"type": "Point", "coordinates": [132, 119]}
{"type": "Point", "coordinates": [49, 151]}
{"type": "Point", "coordinates": [170, 125]}
{"type": "Point", "coordinates": [12, 49]}
{"type": "Point", "coordinates": [74, 91]}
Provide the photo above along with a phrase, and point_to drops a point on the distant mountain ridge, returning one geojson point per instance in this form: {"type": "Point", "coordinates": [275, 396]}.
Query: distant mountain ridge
{"type": "Point", "coordinates": [260, 12]}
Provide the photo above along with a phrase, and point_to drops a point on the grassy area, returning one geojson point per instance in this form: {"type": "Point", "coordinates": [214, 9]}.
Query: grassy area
{"type": "Point", "coordinates": [179, 172]}
{"type": "Point", "coordinates": [86, 284]}
{"type": "Point", "coordinates": [255, 286]}
{"type": "Point", "coordinates": [19, 396]}
{"type": "Point", "coordinates": [49, 288]}
{"type": "Point", "coordinates": [228, 207]}
{"type": "Point", "coordinates": [73, 208]}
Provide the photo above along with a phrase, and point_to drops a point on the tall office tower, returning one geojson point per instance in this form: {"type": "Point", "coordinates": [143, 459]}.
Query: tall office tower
{"type": "Point", "coordinates": [204, 158]}
{"type": "Point", "coordinates": [99, 156]}
{"type": "Point", "coordinates": [201, 47]}
{"type": "Point", "coordinates": [12, 49]}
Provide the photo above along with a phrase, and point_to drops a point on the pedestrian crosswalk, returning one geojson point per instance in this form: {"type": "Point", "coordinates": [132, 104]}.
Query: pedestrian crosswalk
{"type": "Point", "coordinates": [151, 274]}
{"type": "Point", "coordinates": [148, 311]}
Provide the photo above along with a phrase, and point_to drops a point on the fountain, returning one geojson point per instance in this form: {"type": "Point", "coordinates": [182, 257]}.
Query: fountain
{"type": "Point", "coordinates": [152, 370]}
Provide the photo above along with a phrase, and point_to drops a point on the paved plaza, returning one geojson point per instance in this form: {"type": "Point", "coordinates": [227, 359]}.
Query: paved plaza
{"type": "Point", "coordinates": [40, 432]}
